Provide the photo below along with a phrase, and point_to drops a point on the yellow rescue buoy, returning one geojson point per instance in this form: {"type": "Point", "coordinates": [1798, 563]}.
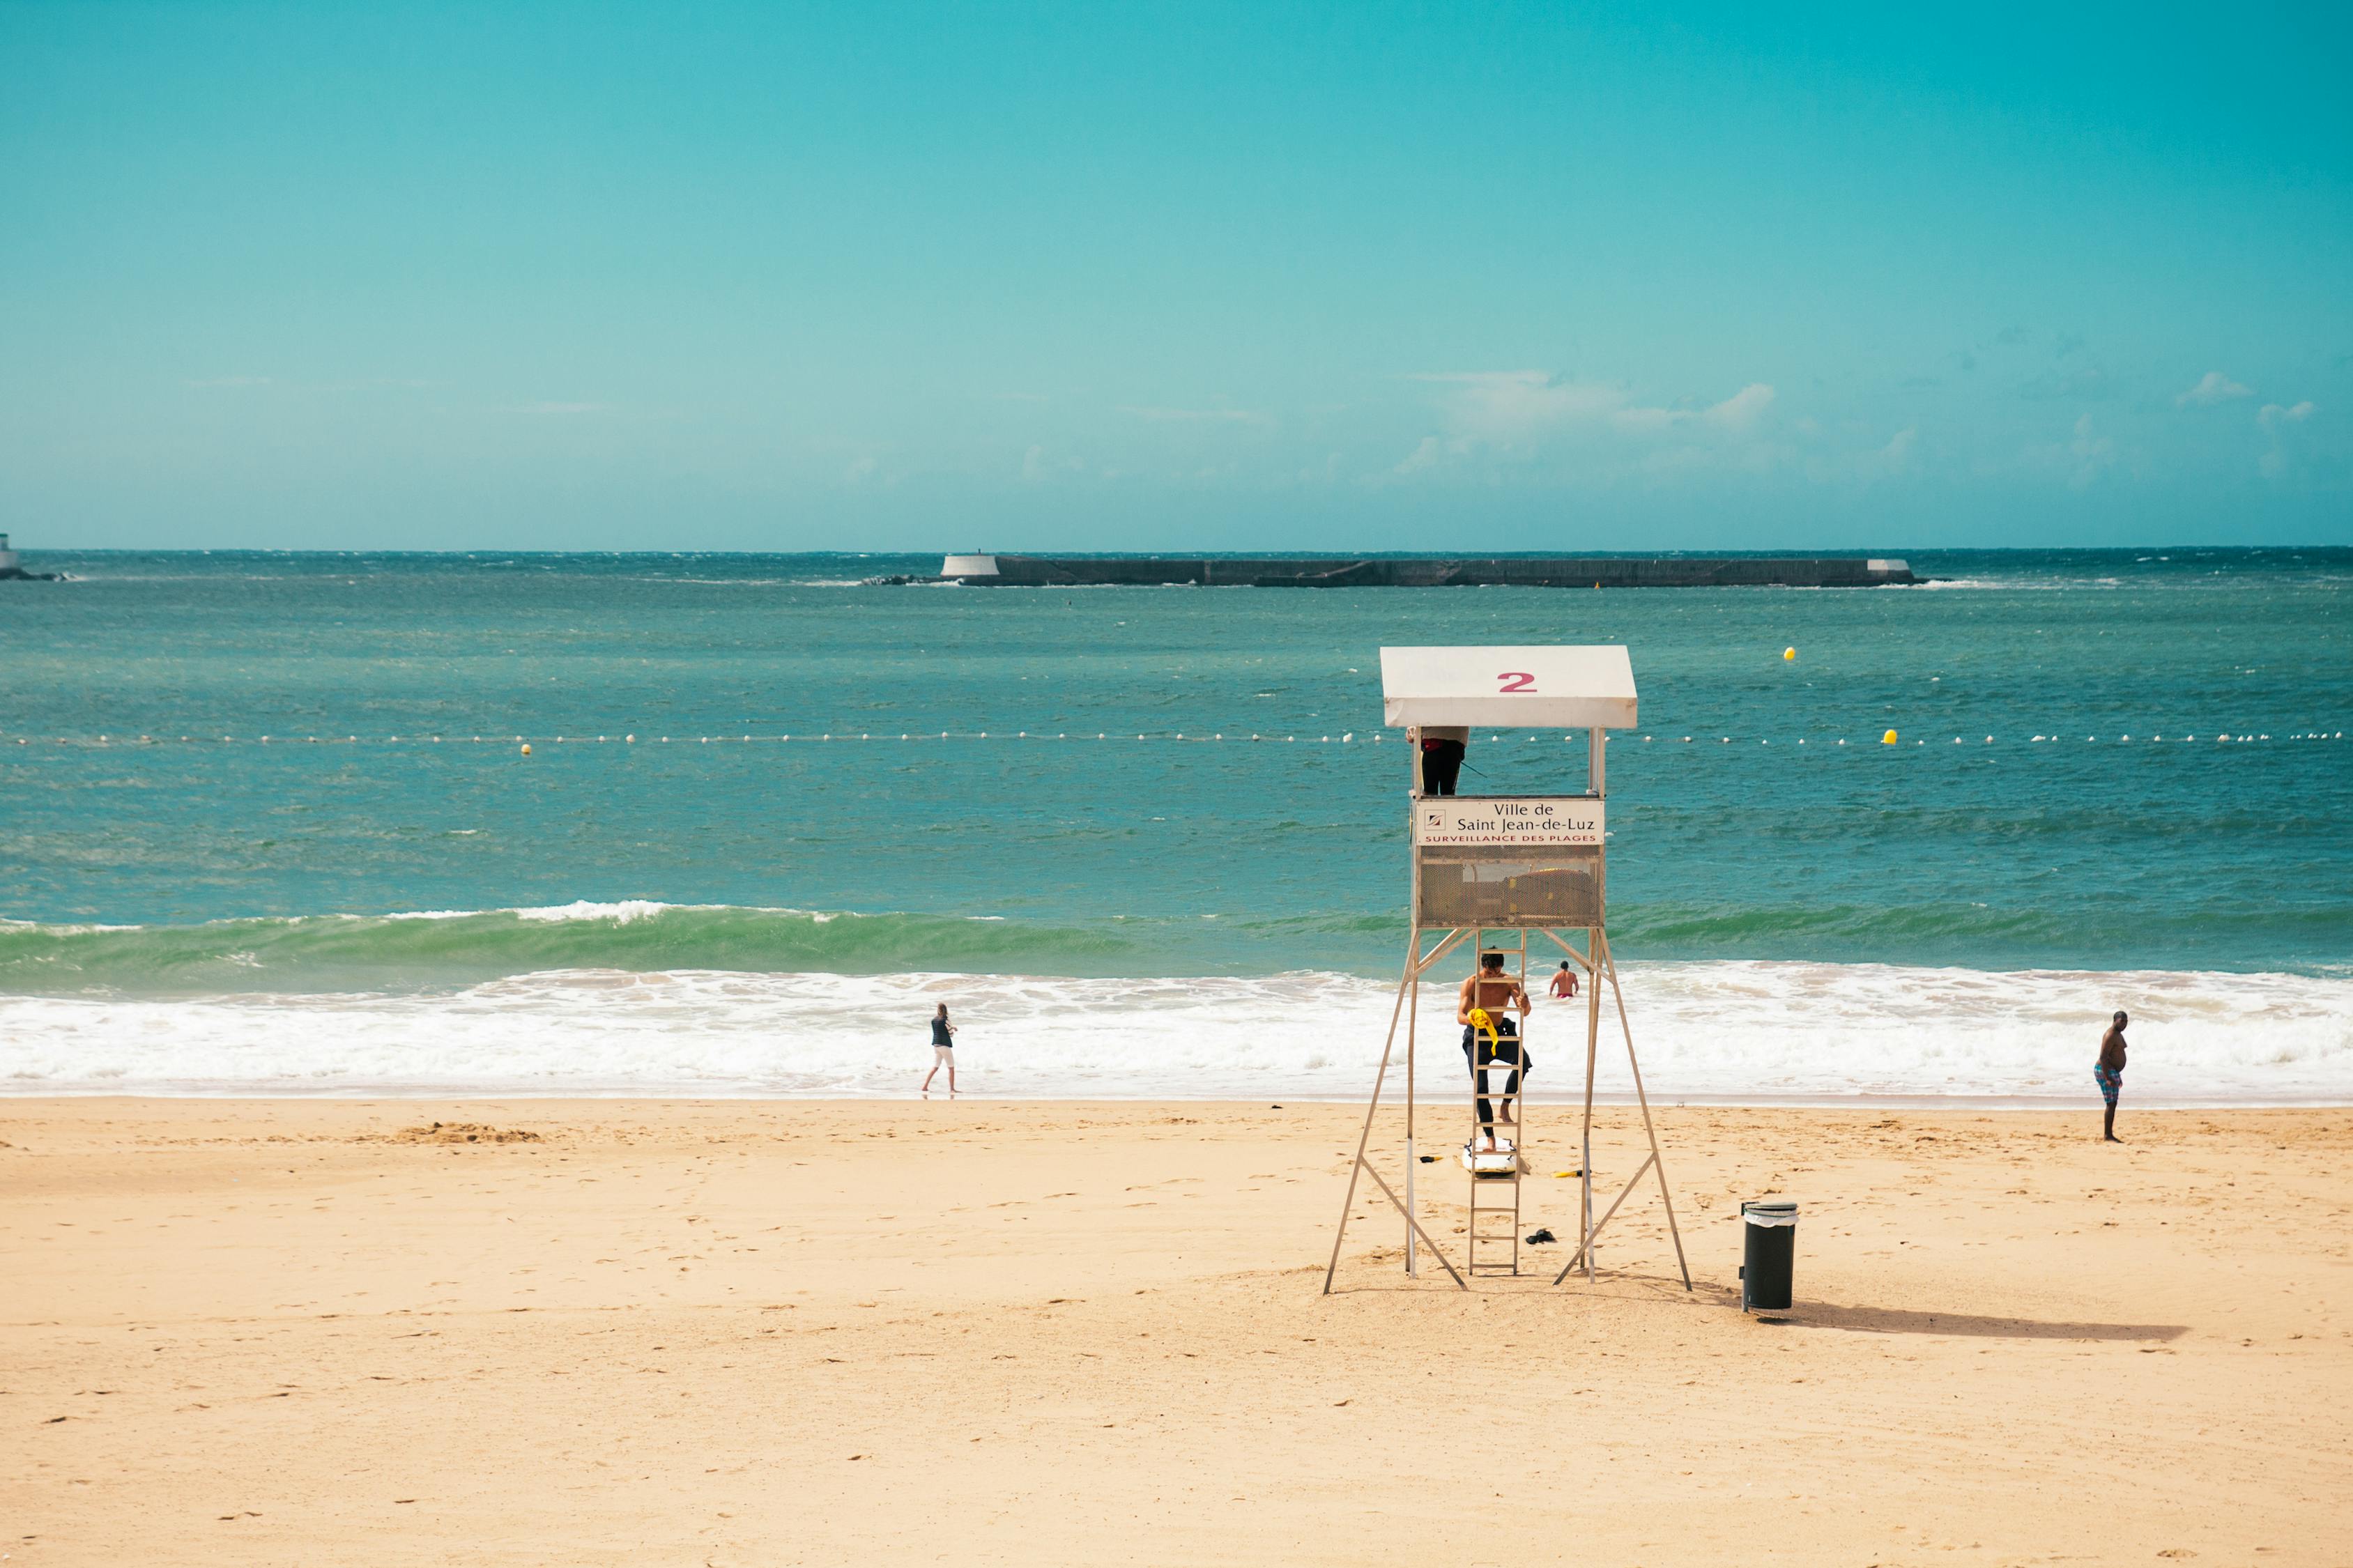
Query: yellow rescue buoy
{"type": "Point", "coordinates": [1888, 739]}
{"type": "Point", "coordinates": [1789, 653]}
{"type": "Point", "coordinates": [526, 751]}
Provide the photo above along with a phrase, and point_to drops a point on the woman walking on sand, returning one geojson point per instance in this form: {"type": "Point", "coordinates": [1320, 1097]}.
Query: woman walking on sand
{"type": "Point", "coordinates": [943, 1052]}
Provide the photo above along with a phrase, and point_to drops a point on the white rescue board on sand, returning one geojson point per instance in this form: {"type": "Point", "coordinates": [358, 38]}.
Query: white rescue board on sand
{"type": "Point", "coordinates": [1501, 1161]}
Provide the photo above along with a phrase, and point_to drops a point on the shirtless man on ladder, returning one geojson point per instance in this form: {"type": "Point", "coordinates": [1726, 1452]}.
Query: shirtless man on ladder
{"type": "Point", "coordinates": [1493, 991]}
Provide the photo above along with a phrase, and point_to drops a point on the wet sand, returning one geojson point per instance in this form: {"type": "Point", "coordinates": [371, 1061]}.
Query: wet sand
{"type": "Point", "coordinates": [325, 1332]}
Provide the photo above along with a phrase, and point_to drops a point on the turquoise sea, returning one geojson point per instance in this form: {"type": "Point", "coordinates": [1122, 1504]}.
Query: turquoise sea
{"type": "Point", "coordinates": [2119, 779]}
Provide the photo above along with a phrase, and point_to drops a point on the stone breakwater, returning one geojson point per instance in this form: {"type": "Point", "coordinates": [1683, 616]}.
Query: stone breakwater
{"type": "Point", "coordinates": [1598, 572]}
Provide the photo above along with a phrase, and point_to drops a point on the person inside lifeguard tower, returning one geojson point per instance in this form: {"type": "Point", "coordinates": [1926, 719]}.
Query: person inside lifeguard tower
{"type": "Point", "coordinates": [1490, 992]}
{"type": "Point", "coordinates": [1441, 760]}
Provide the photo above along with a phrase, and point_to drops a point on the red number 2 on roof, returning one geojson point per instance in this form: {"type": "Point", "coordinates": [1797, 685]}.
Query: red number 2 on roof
{"type": "Point", "coordinates": [1517, 680]}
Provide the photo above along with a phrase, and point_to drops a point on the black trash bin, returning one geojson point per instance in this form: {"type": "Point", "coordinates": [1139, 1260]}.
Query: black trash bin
{"type": "Point", "coordinates": [1769, 1255]}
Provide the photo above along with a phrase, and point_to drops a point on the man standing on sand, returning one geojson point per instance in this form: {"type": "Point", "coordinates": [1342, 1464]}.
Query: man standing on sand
{"type": "Point", "coordinates": [943, 1052]}
{"type": "Point", "coordinates": [2109, 1074]}
{"type": "Point", "coordinates": [1564, 981]}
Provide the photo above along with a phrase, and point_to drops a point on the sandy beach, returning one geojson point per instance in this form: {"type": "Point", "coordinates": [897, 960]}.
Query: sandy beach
{"type": "Point", "coordinates": [728, 1332]}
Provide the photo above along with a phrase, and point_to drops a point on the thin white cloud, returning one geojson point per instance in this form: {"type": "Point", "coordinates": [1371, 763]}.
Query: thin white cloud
{"type": "Point", "coordinates": [2279, 419]}
{"type": "Point", "coordinates": [1869, 465]}
{"type": "Point", "coordinates": [1894, 459]}
{"type": "Point", "coordinates": [2092, 453]}
{"type": "Point", "coordinates": [1038, 464]}
{"type": "Point", "coordinates": [2212, 388]}
{"type": "Point", "coordinates": [1506, 407]}
{"type": "Point", "coordinates": [1429, 454]}
{"type": "Point", "coordinates": [1743, 409]}
{"type": "Point", "coordinates": [364, 384]}
{"type": "Point", "coordinates": [1520, 414]}
{"type": "Point", "coordinates": [2088, 454]}
{"type": "Point", "coordinates": [1196, 415]}
{"type": "Point", "coordinates": [2082, 457]}
{"type": "Point", "coordinates": [559, 409]}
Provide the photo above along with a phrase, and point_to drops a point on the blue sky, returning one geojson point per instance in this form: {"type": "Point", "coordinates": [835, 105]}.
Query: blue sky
{"type": "Point", "coordinates": [1444, 277]}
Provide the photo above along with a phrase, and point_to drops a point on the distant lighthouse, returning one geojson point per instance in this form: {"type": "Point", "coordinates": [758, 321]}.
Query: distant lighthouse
{"type": "Point", "coordinates": [12, 573]}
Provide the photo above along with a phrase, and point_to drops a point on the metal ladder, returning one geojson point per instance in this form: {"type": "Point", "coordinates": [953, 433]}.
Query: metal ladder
{"type": "Point", "coordinates": [1492, 1250]}
{"type": "Point", "coordinates": [1497, 1251]}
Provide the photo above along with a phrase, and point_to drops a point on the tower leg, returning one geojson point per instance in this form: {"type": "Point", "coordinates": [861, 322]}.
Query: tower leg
{"type": "Point", "coordinates": [1657, 1161]}
{"type": "Point", "coordinates": [1413, 1013]}
{"type": "Point", "coordinates": [1411, 1271]}
{"type": "Point", "coordinates": [1592, 1047]}
{"type": "Point", "coordinates": [1414, 965]}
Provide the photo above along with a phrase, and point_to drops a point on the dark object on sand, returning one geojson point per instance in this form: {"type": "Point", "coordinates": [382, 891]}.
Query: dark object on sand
{"type": "Point", "coordinates": [1769, 1255]}
{"type": "Point", "coordinates": [1543, 1238]}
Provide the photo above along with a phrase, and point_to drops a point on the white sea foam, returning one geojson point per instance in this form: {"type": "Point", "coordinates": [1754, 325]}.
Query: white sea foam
{"type": "Point", "coordinates": [1756, 1031]}
{"type": "Point", "coordinates": [620, 913]}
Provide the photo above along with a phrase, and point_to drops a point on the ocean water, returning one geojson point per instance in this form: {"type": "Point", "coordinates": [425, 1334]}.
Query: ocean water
{"type": "Point", "coordinates": [387, 895]}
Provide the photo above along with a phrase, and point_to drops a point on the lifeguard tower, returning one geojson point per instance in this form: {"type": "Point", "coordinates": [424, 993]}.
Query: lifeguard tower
{"type": "Point", "coordinates": [1489, 872]}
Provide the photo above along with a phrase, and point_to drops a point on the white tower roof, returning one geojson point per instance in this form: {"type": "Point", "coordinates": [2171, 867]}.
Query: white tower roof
{"type": "Point", "coordinates": [1541, 688]}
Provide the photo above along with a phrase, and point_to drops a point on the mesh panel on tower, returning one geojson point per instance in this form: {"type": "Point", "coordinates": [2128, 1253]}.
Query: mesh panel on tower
{"type": "Point", "coordinates": [1511, 885]}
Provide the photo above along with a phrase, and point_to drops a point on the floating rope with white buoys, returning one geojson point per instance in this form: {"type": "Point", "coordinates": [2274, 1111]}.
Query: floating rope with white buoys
{"type": "Point", "coordinates": [1346, 738]}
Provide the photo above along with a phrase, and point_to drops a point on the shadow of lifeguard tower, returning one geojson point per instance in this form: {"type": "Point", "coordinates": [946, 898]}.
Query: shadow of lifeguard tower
{"type": "Point", "coordinates": [1503, 867]}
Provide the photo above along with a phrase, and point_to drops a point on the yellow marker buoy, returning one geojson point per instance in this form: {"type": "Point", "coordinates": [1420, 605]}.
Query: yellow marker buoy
{"type": "Point", "coordinates": [526, 751]}
{"type": "Point", "coordinates": [1789, 653]}
{"type": "Point", "coordinates": [1888, 739]}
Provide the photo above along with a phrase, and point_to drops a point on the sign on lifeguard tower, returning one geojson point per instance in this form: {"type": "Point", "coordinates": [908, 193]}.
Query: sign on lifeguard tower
{"type": "Point", "coordinates": [1460, 821]}
{"type": "Point", "coordinates": [1489, 872]}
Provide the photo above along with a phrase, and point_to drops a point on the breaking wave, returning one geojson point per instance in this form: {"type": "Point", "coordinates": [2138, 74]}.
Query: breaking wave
{"type": "Point", "coordinates": [646, 998]}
